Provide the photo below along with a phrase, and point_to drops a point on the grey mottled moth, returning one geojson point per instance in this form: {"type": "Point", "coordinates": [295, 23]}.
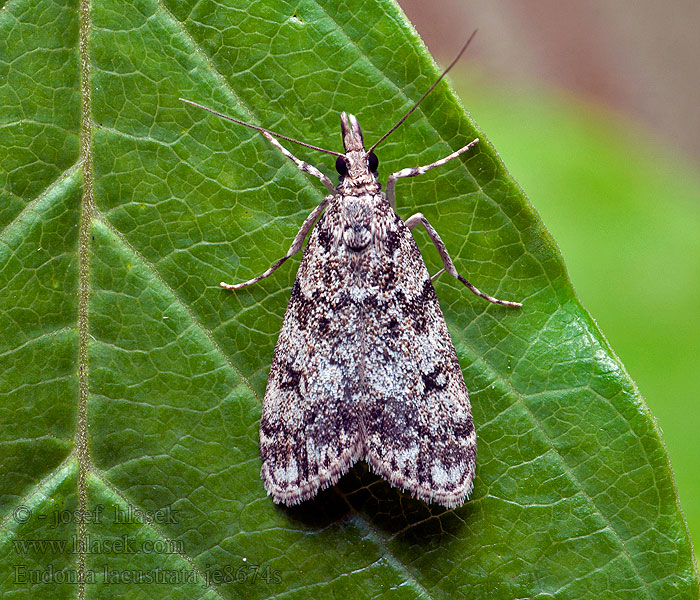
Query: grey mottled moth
{"type": "Point", "coordinates": [364, 368]}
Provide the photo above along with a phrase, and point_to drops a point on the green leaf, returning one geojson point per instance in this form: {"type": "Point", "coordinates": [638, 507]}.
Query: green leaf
{"type": "Point", "coordinates": [131, 383]}
{"type": "Point", "coordinates": [623, 208]}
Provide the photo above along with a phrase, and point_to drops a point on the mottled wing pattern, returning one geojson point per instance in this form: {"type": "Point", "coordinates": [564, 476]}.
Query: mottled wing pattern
{"type": "Point", "coordinates": [420, 433]}
{"type": "Point", "coordinates": [310, 431]}
{"type": "Point", "coordinates": [365, 368]}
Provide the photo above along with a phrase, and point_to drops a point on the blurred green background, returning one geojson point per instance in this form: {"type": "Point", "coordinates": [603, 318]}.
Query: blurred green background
{"type": "Point", "coordinates": [593, 108]}
{"type": "Point", "coordinates": [625, 211]}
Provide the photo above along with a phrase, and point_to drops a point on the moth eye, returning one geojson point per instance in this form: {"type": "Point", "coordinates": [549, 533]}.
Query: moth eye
{"type": "Point", "coordinates": [372, 162]}
{"type": "Point", "coordinates": [341, 166]}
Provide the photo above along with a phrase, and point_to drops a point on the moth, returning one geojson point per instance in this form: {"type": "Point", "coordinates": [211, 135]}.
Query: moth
{"type": "Point", "coordinates": [364, 368]}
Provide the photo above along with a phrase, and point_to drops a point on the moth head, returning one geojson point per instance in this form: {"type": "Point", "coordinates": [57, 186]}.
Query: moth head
{"type": "Point", "coordinates": [356, 164]}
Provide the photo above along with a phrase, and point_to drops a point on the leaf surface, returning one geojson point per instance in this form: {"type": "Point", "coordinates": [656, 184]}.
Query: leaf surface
{"type": "Point", "coordinates": [132, 384]}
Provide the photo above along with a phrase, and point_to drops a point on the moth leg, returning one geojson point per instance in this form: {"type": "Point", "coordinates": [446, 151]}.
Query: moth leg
{"type": "Point", "coordinates": [306, 226]}
{"type": "Point", "coordinates": [413, 171]}
{"type": "Point", "coordinates": [303, 166]}
{"type": "Point", "coordinates": [414, 220]}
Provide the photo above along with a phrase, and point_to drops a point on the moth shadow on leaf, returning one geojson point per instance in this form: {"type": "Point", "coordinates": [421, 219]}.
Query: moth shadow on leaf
{"type": "Point", "coordinates": [396, 513]}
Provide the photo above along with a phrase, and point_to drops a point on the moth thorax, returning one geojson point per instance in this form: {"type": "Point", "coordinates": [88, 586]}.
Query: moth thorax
{"type": "Point", "coordinates": [357, 236]}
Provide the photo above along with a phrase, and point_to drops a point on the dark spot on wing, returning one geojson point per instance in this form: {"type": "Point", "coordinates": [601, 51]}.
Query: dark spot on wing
{"type": "Point", "coordinates": [301, 305]}
{"type": "Point", "coordinates": [324, 238]}
{"type": "Point", "coordinates": [392, 328]}
{"type": "Point", "coordinates": [393, 240]}
{"type": "Point", "coordinates": [323, 324]}
{"type": "Point", "coordinates": [435, 380]}
{"type": "Point", "coordinates": [370, 302]}
{"type": "Point", "coordinates": [290, 378]}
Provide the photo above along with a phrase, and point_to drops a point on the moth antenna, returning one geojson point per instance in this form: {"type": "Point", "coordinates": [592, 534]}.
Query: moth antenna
{"type": "Point", "coordinates": [423, 97]}
{"type": "Point", "coordinates": [261, 129]}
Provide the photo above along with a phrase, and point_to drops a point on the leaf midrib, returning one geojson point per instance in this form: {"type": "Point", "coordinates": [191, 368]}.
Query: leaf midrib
{"type": "Point", "coordinates": [87, 209]}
